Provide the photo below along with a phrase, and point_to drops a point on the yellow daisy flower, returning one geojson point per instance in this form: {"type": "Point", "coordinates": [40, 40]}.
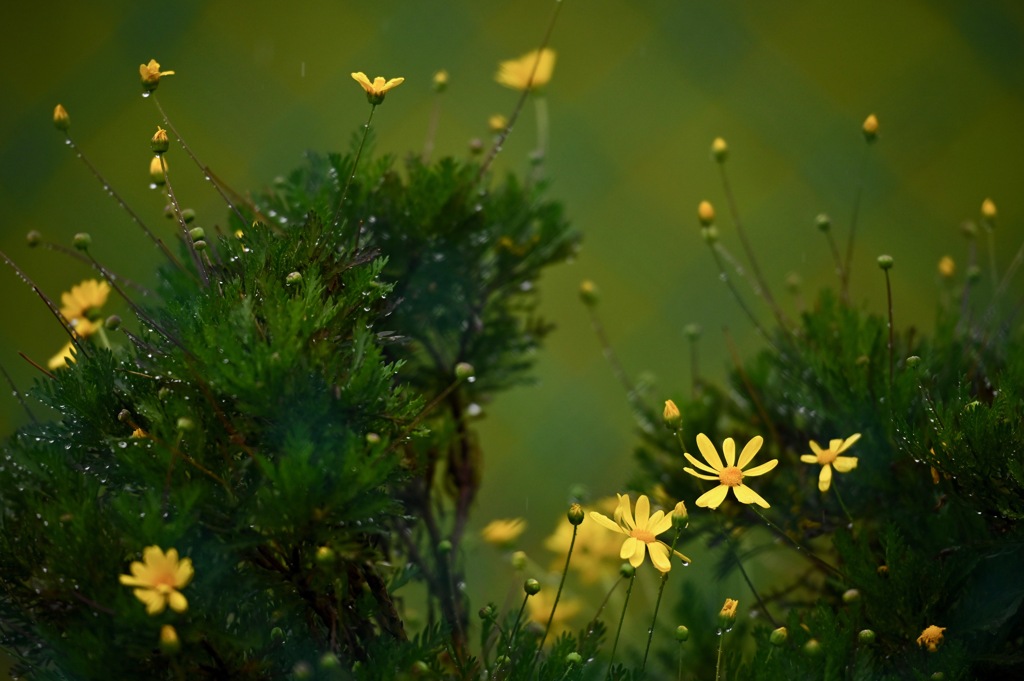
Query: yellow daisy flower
{"type": "Point", "coordinates": [504, 531]}
{"type": "Point", "coordinates": [80, 306]}
{"type": "Point", "coordinates": [158, 578]}
{"type": "Point", "coordinates": [151, 74]}
{"type": "Point", "coordinates": [515, 73]}
{"type": "Point", "coordinates": [596, 552]}
{"type": "Point", "coordinates": [829, 458]}
{"type": "Point", "coordinates": [931, 637]}
{"type": "Point", "coordinates": [376, 90]}
{"type": "Point", "coordinates": [730, 475]}
{"type": "Point", "coordinates": [641, 533]}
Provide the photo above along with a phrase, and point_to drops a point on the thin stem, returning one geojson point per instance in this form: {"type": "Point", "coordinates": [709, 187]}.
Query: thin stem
{"type": "Point", "coordinates": [63, 250]}
{"type": "Point", "coordinates": [743, 571]}
{"type": "Point", "coordinates": [435, 121]}
{"type": "Point", "coordinates": [622, 618]}
{"type": "Point", "coordinates": [54, 310]}
{"type": "Point", "coordinates": [888, 292]}
{"type": "Point", "coordinates": [842, 505]}
{"type": "Point", "coordinates": [992, 257]}
{"type": "Point", "coordinates": [120, 202]}
{"type": "Point", "coordinates": [845, 275]}
{"type": "Point", "coordinates": [657, 603]}
{"type": "Point", "coordinates": [804, 552]}
{"type": "Point", "coordinates": [718, 662]}
{"type": "Point", "coordinates": [515, 630]}
{"type": "Point", "coordinates": [558, 595]}
{"type": "Point", "coordinates": [679, 674]}
{"type": "Point", "coordinates": [351, 176]}
{"type": "Point", "coordinates": [204, 277]}
{"type": "Point", "coordinates": [762, 286]}
{"type": "Point", "coordinates": [499, 141]}
{"type": "Point", "coordinates": [724, 276]}
{"type": "Point", "coordinates": [207, 173]}
{"type": "Point", "coordinates": [835, 255]}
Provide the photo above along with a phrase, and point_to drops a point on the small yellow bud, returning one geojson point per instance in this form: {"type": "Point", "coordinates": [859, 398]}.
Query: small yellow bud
{"type": "Point", "coordinates": [866, 636]}
{"type": "Point", "coordinates": [60, 118]}
{"type": "Point", "coordinates": [706, 213]}
{"type": "Point", "coordinates": [931, 637]}
{"type": "Point", "coordinates": [870, 128]}
{"type": "Point", "coordinates": [947, 267]}
{"type": "Point", "coordinates": [169, 642]}
{"type": "Point", "coordinates": [988, 210]}
{"type": "Point", "coordinates": [151, 75]}
{"type": "Point", "coordinates": [812, 648]}
{"type": "Point", "coordinates": [575, 514]}
{"type": "Point", "coordinates": [588, 293]}
{"type": "Point", "coordinates": [779, 636]}
{"type": "Point", "coordinates": [671, 414]}
{"type": "Point", "coordinates": [680, 516]}
{"type": "Point", "coordinates": [719, 150]}
{"type": "Point", "coordinates": [440, 81]}
{"type": "Point", "coordinates": [156, 170]}
{"type": "Point", "coordinates": [728, 614]}
{"type": "Point", "coordinates": [497, 123]}
{"type": "Point", "coordinates": [159, 142]}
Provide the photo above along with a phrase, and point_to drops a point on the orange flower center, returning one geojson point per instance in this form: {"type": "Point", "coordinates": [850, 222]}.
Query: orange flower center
{"type": "Point", "coordinates": [826, 457]}
{"type": "Point", "coordinates": [643, 535]}
{"type": "Point", "coordinates": [731, 476]}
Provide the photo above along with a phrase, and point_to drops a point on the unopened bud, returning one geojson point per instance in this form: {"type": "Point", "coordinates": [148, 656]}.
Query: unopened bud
{"type": "Point", "coordinates": [575, 514]}
{"type": "Point", "coordinates": [476, 146]}
{"type": "Point", "coordinates": [851, 596]}
{"type": "Point", "coordinates": [156, 170]}
{"type": "Point", "coordinates": [573, 658]}
{"type": "Point", "coordinates": [823, 221]}
{"type": "Point", "coordinates": [464, 370]}
{"type": "Point", "coordinates": [159, 142]}
{"type": "Point", "coordinates": [727, 615]}
{"type": "Point", "coordinates": [197, 233]}
{"type": "Point", "coordinates": [866, 637]}
{"type": "Point", "coordinates": [682, 633]}
{"type": "Point", "coordinates": [885, 262]}
{"type": "Point", "coordinates": [199, 245]}
{"type": "Point", "coordinates": [518, 560]}
{"type": "Point", "coordinates": [778, 636]}
{"type": "Point", "coordinates": [325, 555]}
{"type": "Point", "coordinates": [112, 323]}
{"type": "Point", "coordinates": [988, 211]}
{"type": "Point", "coordinates": [705, 213]}
{"type": "Point", "coordinates": [969, 229]}
{"type": "Point", "coordinates": [692, 331]}
{"type": "Point", "coordinates": [626, 570]}
{"type": "Point", "coordinates": [719, 150]}
{"type": "Point", "coordinates": [277, 634]}
{"type": "Point", "coordinates": [293, 278]}
{"type": "Point", "coordinates": [187, 215]}
{"type": "Point", "coordinates": [588, 293]}
{"type": "Point", "coordinates": [329, 661]}
{"type": "Point", "coordinates": [487, 612]}
{"type": "Point", "coordinates": [531, 587]}
{"type": "Point", "coordinates": [185, 423]}
{"type": "Point", "coordinates": [670, 415]}
{"type": "Point", "coordinates": [372, 438]}
{"type": "Point", "coordinates": [82, 241]}
{"type": "Point", "coordinates": [124, 415]}
{"type": "Point", "coordinates": [169, 642]}
{"type": "Point", "coordinates": [973, 273]}
{"type": "Point", "coordinates": [61, 120]}
{"type": "Point", "coordinates": [709, 234]}
{"type": "Point", "coordinates": [444, 546]}
{"type": "Point", "coordinates": [947, 267]}
{"type": "Point", "coordinates": [497, 123]}
{"type": "Point", "coordinates": [680, 516]}
{"type": "Point", "coordinates": [33, 238]}
{"type": "Point", "coordinates": [440, 81]}
{"type": "Point", "coordinates": [812, 648]}
{"type": "Point", "coordinates": [870, 128]}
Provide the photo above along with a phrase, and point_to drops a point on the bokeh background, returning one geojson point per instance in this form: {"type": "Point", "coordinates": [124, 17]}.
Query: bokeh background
{"type": "Point", "coordinates": [639, 91]}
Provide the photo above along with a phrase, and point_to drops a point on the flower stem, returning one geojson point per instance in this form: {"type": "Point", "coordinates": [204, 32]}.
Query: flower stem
{"type": "Point", "coordinates": [888, 292]}
{"type": "Point", "coordinates": [724, 276]}
{"type": "Point", "coordinates": [743, 571]}
{"type": "Point", "coordinates": [842, 505]}
{"type": "Point", "coordinates": [804, 552]}
{"type": "Point", "coordinates": [657, 603]}
{"type": "Point", "coordinates": [718, 662]}
{"type": "Point", "coordinates": [622, 618]}
{"type": "Point", "coordinates": [515, 628]}
{"type": "Point", "coordinates": [200, 268]}
{"type": "Point", "coordinates": [845, 272]}
{"type": "Point", "coordinates": [351, 176]}
{"type": "Point", "coordinates": [558, 595]}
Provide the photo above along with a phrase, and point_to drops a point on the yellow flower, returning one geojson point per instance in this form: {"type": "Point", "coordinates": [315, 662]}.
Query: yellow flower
{"type": "Point", "coordinates": [497, 123]}
{"type": "Point", "coordinates": [670, 415]}
{"type": "Point", "coordinates": [376, 90]}
{"type": "Point", "coordinates": [80, 306]}
{"type": "Point", "coordinates": [947, 267]}
{"type": "Point", "coordinates": [931, 637]}
{"type": "Point", "coordinates": [988, 209]}
{"type": "Point", "coordinates": [516, 73]}
{"type": "Point", "coordinates": [870, 127]}
{"type": "Point", "coordinates": [504, 531]}
{"type": "Point", "coordinates": [596, 552]}
{"type": "Point", "coordinates": [728, 612]}
{"type": "Point", "coordinates": [157, 579]}
{"type": "Point", "coordinates": [156, 169]}
{"type": "Point", "coordinates": [151, 75]}
{"type": "Point", "coordinates": [59, 361]}
{"type": "Point", "coordinates": [705, 213]}
{"type": "Point", "coordinates": [440, 81]}
{"type": "Point", "coordinates": [641, 533]}
{"type": "Point", "coordinates": [829, 458]}
{"type": "Point", "coordinates": [730, 475]}
{"type": "Point", "coordinates": [60, 118]}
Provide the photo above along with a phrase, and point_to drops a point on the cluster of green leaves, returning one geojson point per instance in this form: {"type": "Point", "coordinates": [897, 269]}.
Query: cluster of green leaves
{"type": "Point", "coordinates": [290, 393]}
{"type": "Point", "coordinates": [925, 529]}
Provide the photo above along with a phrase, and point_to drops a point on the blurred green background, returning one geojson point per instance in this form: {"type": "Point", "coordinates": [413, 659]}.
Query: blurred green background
{"type": "Point", "coordinates": [639, 91]}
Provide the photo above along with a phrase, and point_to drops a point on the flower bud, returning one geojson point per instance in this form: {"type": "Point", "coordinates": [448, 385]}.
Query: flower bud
{"type": "Point", "coordinates": [709, 234]}
{"type": "Point", "coordinates": [670, 415]}
{"type": "Point", "coordinates": [575, 514]}
{"type": "Point", "coordinates": [823, 221]}
{"type": "Point", "coordinates": [61, 120]}
{"type": "Point", "coordinates": [169, 642]}
{"type": "Point", "coordinates": [440, 81]}
{"type": "Point", "coordinates": [973, 273]}
{"type": "Point", "coordinates": [870, 128]}
{"type": "Point", "coordinates": [497, 123]}
{"type": "Point", "coordinates": [719, 150]}
{"type": "Point", "coordinates": [988, 210]}
{"type": "Point", "coordinates": [151, 75]}
{"type": "Point", "coordinates": [882, 570]}
{"type": "Point", "coordinates": [626, 570]}
{"type": "Point", "coordinates": [588, 293]}
{"type": "Point", "coordinates": [277, 634]}
{"type": "Point", "coordinates": [325, 555]}
{"type": "Point", "coordinates": [487, 612]}
{"type": "Point", "coordinates": [419, 668]}
{"type": "Point", "coordinates": [969, 229]}
{"type": "Point", "coordinates": [779, 636]}
{"type": "Point", "coordinates": [573, 658]}
{"type": "Point", "coordinates": [293, 278]}
{"type": "Point", "coordinates": [947, 267]}
{"type": "Point", "coordinates": [187, 214]}
{"type": "Point", "coordinates": [329, 661]}
{"type": "Point", "coordinates": [851, 596]}
{"type": "Point", "coordinates": [793, 282]}
{"type": "Point", "coordinates": [692, 331]}
{"type": "Point", "coordinates": [185, 423]}
{"type": "Point", "coordinates": [913, 361]}
{"type": "Point", "coordinates": [464, 371]}
{"type": "Point", "coordinates": [112, 323]}
{"type": "Point", "coordinates": [444, 546]}
{"type": "Point", "coordinates": [885, 262]}
{"type": "Point", "coordinates": [476, 146]}
{"type": "Point", "coordinates": [705, 213]}
{"type": "Point", "coordinates": [82, 241]}
{"type": "Point", "coordinates": [199, 245]}
{"type": "Point", "coordinates": [531, 587]}
{"type": "Point", "coordinates": [727, 616]}
{"type": "Point", "coordinates": [156, 170]}
{"type": "Point", "coordinates": [197, 233]}
{"type": "Point", "coordinates": [680, 516]}
{"type": "Point", "coordinates": [866, 637]}
{"type": "Point", "coordinates": [682, 633]}
{"type": "Point", "coordinates": [302, 670]}
{"type": "Point", "coordinates": [518, 560]}
{"type": "Point", "coordinates": [371, 438]}
{"type": "Point", "coordinates": [812, 648]}
{"type": "Point", "coordinates": [159, 142]}
{"type": "Point", "coordinates": [33, 238]}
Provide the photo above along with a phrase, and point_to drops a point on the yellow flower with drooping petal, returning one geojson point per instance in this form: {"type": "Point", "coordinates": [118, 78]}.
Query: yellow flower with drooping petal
{"type": "Point", "coordinates": [158, 578]}
{"type": "Point", "coordinates": [829, 459]}
{"type": "Point", "coordinates": [151, 74]}
{"type": "Point", "coordinates": [516, 73]}
{"type": "Point", "coordinates": [80, 306]}
{"type": "Point", "coordinates": [931, 637]}
{"type": "Point", "coordinates": [504, 531]}
{"type": "Point", "coordinates": [595, 553]}
{"type": "Point", "coordinates": [376, 90]}
{"type": "Point", "coordinates": [641, 532]}
{"type": "Point", "coordinates": [730, 475]}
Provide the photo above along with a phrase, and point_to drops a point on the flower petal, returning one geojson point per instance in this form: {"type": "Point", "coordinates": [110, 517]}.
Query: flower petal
{"type": "Point", "coordinates": [825, 478]}
{"type": "Point", "coordinates": [700, 475]}
{"type": "Point", "coordinates": [729, 449]}
{"type": "Point", "coordinates": [809, 458]}
{"type": "Point", "coordinates": [709, 452]}
{"type": "Point", "coordinates": [183, 575]}
{"type": "Point", "coordinates": [749, 450]}
{"type": "Point", "coordinates": [762, 469]}
{"type": "Point", "coordinates": [835, 444]}
{"type": "Point", "coordinates": [605, 522]}
{"type": "Point", "coordinates": [845, 464]}
{"type": "Point", "coordinates": [643, 511]}
{"type": "Point", "coordinates": [848, 442]}
{"type": "Point", "coordinates": [178, 602]}
{"type": "Point", "coordinates": [657, 525]}
{"type": "Point", "coordinates": [712, 498]}
{"type": "Point", "coordinates": [638, 555]}
{"type": "Point", "coordinates": [155, 602]}
{"type": "Point", "coordinates": [627, 514]}
{"type": "Point", "coordinates": [628, 548]}
{"type": "Point", "coordinates": [815, 447]}
{"type": "Point", "coordinates": [746, 495]}
{"type": "Point", "coordinates": [700, 464]}
{"type": "Point", "coordinates": [659, 556]}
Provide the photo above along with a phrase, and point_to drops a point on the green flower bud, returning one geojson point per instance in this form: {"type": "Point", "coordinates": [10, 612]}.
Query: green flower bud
{"type": "Point", "coordinates": [719, 150]}
{"type": "Point", "coordinates": [34, 237]}
{"type": "Point", "coordinates": [464, 371]}
{"type": "Point", "coordinates": [913, 361]}
{"type": "Point", "coordinates": [199, 245]}
{"type": "Point", "coordinates": [588, 293]}
{"type": "Point", "coordinates": [325, 555]}
{"type": "Point", "coordinates": [197, 233]}
{"type": "Point", "coordinates": [476, 145]}
{"type": "Point", "coordinates": [159, 142]}
{"type": "Point", "coordinates": [112, 323]}
{"type": "Point", "coordinates": [531, 587]}
{"type": "Point", "coordinates": [779, 636]}
{"type": "Point", "coordinates": [372, 438]}
{"type": "Point", "coordinates": [519, 560]}
{"type": "Point", "coordinates": [302, 670]}
{"type": "Point", "coordinates": [82, 241]}
{"type": "Point", "coordinates": [444, 546]}
{"type": "Point", "coordinates": [419, 668]}
{"type": "Point", "coordinates": [188, 216]}
{"type": "Point", "coordinates": [812, 648]}
{"type": "Point", "coordinates": [293, 278]}
{"type": "Point", "coordinates": [124, 416]}
{"type": "Point", "coordinates": [680, 516]}
{"type": "Point", "coordinates": [277, 634]}
{"type": "Point", "coordinates": [885, 262]}
{"type": "Point", "coordinates": [866, 637]}
{"type": "Point", "coordinates": [682, 633]}
{"type": "Point", "coordinates": [851, 596]}
{"type": "Point", "coordinates": [573, 658]}
{"type": "Point", "coordinates": [185, 423]}
{"type": "Point", "coordinates": [692, 331]}
{"type": "Point", "coordinates": [709, 234]}
{"type": "Point", "coordinates": [487, 612]}
{"type": "Point", "coordinates": [329, 661]}
{"type": "Point", "coordinates": [575, 514]}
{"type": "Point", "coordinates": [823, 221]}
{"type": "Point", "coordinates": [627, 570]}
